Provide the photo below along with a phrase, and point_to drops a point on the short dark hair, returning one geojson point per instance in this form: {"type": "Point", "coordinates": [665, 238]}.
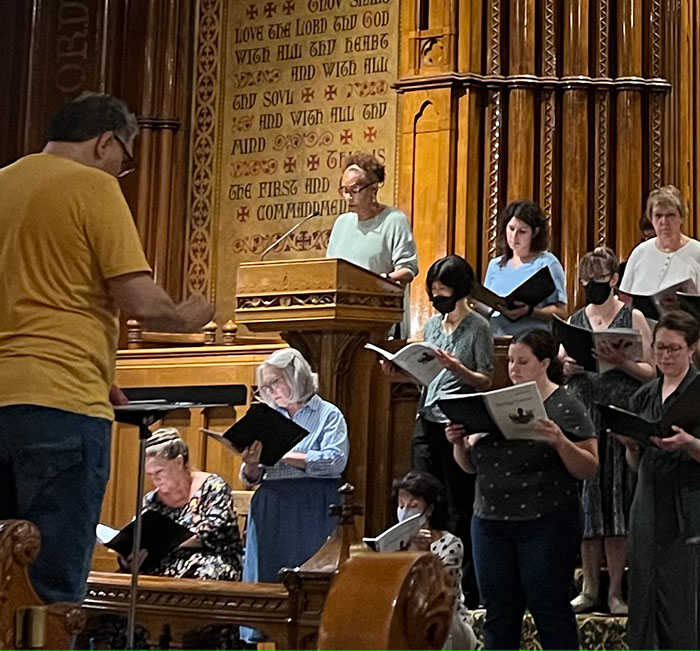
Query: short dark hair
{"type": "Point", "coordinates": [428, 488]}
{"type": "Point", "coordinates": [368, 163]}
{"type": "Point", "coordinates": [543, 346]}
{"type": "Point", "coordinates": [90, 115]}
{"type": "Point", "coordinates": [681, 322]}
{"type": "Point", "coordinates": [531, 214]}
{"type": "Point", "coordinates": [452, 271]}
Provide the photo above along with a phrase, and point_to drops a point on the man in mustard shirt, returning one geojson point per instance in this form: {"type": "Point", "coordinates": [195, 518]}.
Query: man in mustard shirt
{"type": "Point", "coordinates": [70, 258]}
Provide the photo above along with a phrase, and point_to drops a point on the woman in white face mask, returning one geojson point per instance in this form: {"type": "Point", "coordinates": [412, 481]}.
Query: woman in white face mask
{"type": "Point", "coordinates": [421, 493]}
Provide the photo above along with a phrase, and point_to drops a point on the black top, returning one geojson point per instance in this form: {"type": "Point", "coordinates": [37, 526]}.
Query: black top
{"type": "Point", "coordinates": [524, 480]}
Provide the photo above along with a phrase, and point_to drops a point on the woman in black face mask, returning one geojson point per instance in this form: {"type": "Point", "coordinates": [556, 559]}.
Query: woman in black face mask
{"type": "Point", "coordinates": [466, 351]}
{"type": "Point", "coordinates": [607, 497]}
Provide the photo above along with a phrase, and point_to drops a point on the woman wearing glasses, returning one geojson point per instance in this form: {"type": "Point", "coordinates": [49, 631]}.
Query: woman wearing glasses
{"type": "Point", "coordinates": [607, 496]}
{"type": "Point", "coordinates": [288, 519]}
{"type": "Point", "coordinates": [370, 234]}
{"type": "Point", "coordinates": [666, 507]}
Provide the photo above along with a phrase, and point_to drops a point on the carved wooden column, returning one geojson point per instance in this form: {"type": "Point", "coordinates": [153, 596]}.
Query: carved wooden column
{"type": "Point", "coordinates": [162, 106]}
{"type": "Point", "coordinates": [602, 127]}
{"type": "Point", "coordinates": [574, 167]}
{"type": "Point", "coordinates": [548, 116]}
{"type": "Point", "coordinates": [629, 136]}
{"type": "Point", "coordinates": [521, 101]}
{"type": "Point", "coordinates": [493, 118]}
{"type": "Point", "coordinates": [470, 127]}
{"type": "Point", "coordinates": [426, 135]}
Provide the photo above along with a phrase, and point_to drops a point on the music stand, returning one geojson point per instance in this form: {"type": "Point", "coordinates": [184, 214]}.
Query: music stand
{"type": "Point", "coordinates": [147, 406]}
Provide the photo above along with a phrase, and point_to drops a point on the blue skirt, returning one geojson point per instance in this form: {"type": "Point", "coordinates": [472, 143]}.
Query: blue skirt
{"type": "Point", "coordinates": [288, 522]}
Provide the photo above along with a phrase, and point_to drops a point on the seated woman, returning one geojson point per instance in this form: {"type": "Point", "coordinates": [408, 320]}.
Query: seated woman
{"type": "Point", "coordinates": [523, 238]}
{"type": "Point", "coordinates": [200, 501]}
{"type": "Point", "coordinates": [666, 506]}
{"type": "Point", "coordinates": [420, 492]}
{"type": "Point", "coordinates": [526, 528]}
{"type": "Point", "coordinates": [288, 519]}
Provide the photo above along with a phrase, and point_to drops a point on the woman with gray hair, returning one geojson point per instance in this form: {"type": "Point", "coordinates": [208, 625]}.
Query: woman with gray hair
{"type": "Point", "coordinates": [288, 519]}
{"type": "Point", "coordinates": [200, 501]}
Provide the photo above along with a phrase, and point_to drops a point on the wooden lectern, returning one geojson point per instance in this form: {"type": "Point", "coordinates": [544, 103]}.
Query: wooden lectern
{"type": "Point", "coordinates": [327, 308]}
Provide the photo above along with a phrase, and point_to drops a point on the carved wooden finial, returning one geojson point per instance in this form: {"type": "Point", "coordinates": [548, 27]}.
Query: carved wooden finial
{"type": "Point", "coordinates": [346, 510]}
{"type": "Point", "coordinates": [210, 330]}
{"type": "Point", "coordinates": [229, 331]}
{"type": "Point", "coordinates": [134, 333]}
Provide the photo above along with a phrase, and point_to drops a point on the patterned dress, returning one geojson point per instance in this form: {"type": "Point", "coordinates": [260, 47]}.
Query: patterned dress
{"type": "Point", "coordinates": [607, 497]}
{"type": "Point", "coordinates": [211, 515]}
{"type": "Point", "coordinates": [450, 551]}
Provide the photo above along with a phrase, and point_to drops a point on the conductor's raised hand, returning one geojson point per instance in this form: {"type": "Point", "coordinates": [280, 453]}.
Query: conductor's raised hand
{"type": "Point", "coordinates": [251, 454]}
{"type": "Point", "coordinates": [455, 433]}
{"type": "Point", "coordinates": [195, 313]}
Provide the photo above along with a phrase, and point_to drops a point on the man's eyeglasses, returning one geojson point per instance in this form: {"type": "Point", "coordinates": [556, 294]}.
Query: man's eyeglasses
{"type": "Point", "coordinates": [353, 190]}
{"type": "Point", "coordinates": [672, 349]}
{"type": "Point", "coordinates": [128, 162]}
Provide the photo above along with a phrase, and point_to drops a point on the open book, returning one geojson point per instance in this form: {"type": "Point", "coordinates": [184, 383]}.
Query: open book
{"type": "Point", "coordinates": [513, 411]}
{"type": "Point", "coordinates": [159, 536]}
{"type": "Point", "coordinates": [580, 343]}
{"type": "Point", "coordinates": [532, 291]}
{"type": "Point", "coordinates": [652, 306]}
{"type": "Point", "coordinates": [683, 412]}
{"type": "Point", "coordinates": [417, 360]}
{"type": "Point", "coordinates": [689, 303]}
{"type": "Point", "coordinates": [277, 433]}
{"type": "Point", "coordinates": [398, 537]}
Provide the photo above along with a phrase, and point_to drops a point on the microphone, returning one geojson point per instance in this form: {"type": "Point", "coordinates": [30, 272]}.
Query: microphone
{"type": "Point", "coordinates": [315, 213]}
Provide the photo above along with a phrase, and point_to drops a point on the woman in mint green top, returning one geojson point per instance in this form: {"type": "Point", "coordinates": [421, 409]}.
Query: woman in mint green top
{"type": "Point", "coordinates": [523, 235]}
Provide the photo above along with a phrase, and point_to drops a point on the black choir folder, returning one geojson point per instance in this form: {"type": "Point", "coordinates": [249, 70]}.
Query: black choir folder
{"type": "Point", "coordinates": [652, 306]}
{"type": "Point", "coordinates": [580, 343]}
{"type": "Point", "coordinates": [513, 411]}
{"type": "Point", "coordinates": [682, 413]}
{"type": "Point", "coordinates": [690, 303]}
{"type": "Point", "coordinates": [277, 433]}
{"type": "Point", "coordinates": [159, 536]}
{"type": "Point", "coordinates": [532, 291]}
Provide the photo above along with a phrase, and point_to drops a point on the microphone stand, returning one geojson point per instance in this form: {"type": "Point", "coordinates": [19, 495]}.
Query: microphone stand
{"type": "Point", "coordinates": [315, 213]}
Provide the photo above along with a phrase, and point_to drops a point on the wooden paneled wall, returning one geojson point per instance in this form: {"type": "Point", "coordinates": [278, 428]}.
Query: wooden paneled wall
{"type": "Point", "coordinates": [582, 105]}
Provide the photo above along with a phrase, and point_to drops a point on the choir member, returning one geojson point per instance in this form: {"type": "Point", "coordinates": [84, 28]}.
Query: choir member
{"type": "Point", "coordinates": [669, 258]}
{"type": "Point", "coordinates": [289, 516]}
{"type": "Point", "coordinates": [200, 501]}
{"type": "Point", "coordinates": [666, 507]}
{"type": "Point", "coordinates": [466, 351]}
{"type": "Point", "coordinates": [607, 496]}
{"type": "Point", "coordinates": [523, 238]}
{"type": "Point", "coordinates": [421, 493]}
{"type": "Point", "coordinates": [526, 528]}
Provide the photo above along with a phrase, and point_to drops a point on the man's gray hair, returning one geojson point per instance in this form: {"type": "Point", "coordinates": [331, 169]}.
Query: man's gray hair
{"type": "Point", "coordinates": [167, 443]}
{"type": "Point", "coordinates": [302, 381]}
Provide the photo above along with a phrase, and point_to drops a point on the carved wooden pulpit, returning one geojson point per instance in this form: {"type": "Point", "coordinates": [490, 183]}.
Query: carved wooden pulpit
{"type": "Point", "coordinates": [327, 308]}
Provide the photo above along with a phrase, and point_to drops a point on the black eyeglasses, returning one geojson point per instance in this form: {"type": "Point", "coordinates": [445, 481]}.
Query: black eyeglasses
{"type": "Point", "coordinates": [354, 190]}
{"type": "Point", "coordinates": [128, 162]}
